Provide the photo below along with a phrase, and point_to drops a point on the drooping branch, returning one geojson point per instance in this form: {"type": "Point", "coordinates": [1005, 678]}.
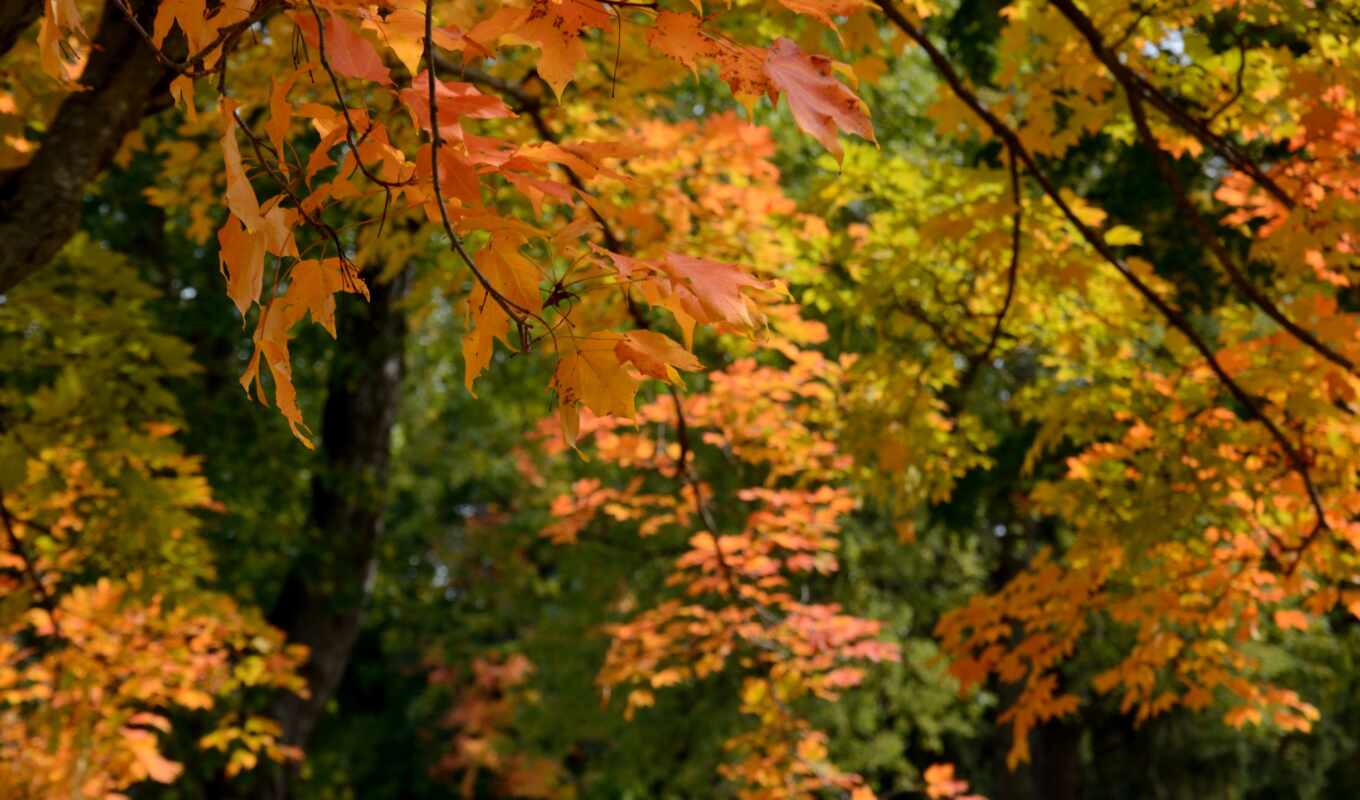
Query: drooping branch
{"type": "Point", "coordinates": [1173, 316]}
{"type": "Point", "coordinates": [1135, 89]}
{"type": "Point", "coordinates": [512, 310]}
{"type": "Point", "coordinates": [1189, 122]}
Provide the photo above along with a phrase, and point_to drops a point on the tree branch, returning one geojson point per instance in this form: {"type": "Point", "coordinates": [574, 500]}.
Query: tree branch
{"type": "Point", "coordinates": [1133, 90]}
{"type": "Point", "coordinates": [40, 202]}
{"type": "Point", "coordinates": [1297, 461]}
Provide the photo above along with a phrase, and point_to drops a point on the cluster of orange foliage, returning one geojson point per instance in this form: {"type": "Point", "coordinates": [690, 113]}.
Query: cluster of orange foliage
{"type": "Point", "coordinates": [736, 601]}
{"type": "Point", "coordinates": [481, 720]}
{"type": "Point", "coordinates": [1244, 442]}
{"type": "Point", "coordinates": [444, 175]}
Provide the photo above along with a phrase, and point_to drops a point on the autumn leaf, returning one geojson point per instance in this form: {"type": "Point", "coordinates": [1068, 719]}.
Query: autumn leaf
{"type": "Point", "coordinates": [821, 105]}
{"type": "Point", "coordinates": [455, 101]}
{"type": "Point", "coordinates": [1286, 619]}
{"type": "Point", "coordinates": [556, 27]}
{"type": "Point", "coordinates": [679, 36]}
{"type": "Point", "coordinates": [152, 764]}
{"type": "Point", "coordinates": [589, 372]}
{"type": "Point", "coordinates": [312, 286]}
{"type": "Point", "coordinates": [710, 292]}
{"type": "Point", "coordinates": [241, 255]}
{"type": "Point", "coordinates": [655, 355]}
{"type": "Point", "coordinates": [825, 10]}
{"type": "Point", "coordinates": [489, 323]}
{"type": "Point", "coordinates": [241, 197]}
{"type": "Point", "coordinates": [352, 55]}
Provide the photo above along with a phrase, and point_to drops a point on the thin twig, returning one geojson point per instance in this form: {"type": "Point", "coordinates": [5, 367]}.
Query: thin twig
{"type": "Point", "coordinates": [515, 312]}
{"type": "Point", "coordinates": [1017, 219]}
{"type": "Point", "coordinates": [388, 186]}
{"type": "Point", "coordinates": [17, 545]}
{"type": "Point", "coordinates": [1297, 461]}
{"type": "Point", "coordinates": [1192, 124]}
{"type": "Point", "coordinates": [1128, 79]}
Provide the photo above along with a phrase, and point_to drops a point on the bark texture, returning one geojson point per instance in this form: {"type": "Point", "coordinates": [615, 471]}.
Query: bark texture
{"type": "Point", "coordinates": [322, 600]}
{"type": "Point", "coordinates": [40, 202]}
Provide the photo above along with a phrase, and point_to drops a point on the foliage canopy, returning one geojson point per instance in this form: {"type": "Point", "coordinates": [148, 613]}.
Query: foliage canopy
{"type": "Point", "coordinates": [809, 398]}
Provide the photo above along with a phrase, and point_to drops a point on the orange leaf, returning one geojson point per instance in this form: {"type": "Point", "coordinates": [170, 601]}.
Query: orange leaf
{"type": "Point", "coordinates": [589, 372]}
{"type": "Point", "coordinates": [824, 10]}
{"type": "Point", "coordinates": [556, 28]}
{"type": "Point", "coordinates": [820, 103]}
{"type": "Point", "coordinates": [241, 259]}
{"type": "Point", "coordinates": [240, 194]}
{"type": "Point", "coordinates": [455, 101]}
{"type": "Point", "coordinates": [312, 286]}
{"type": "Point", "coordinates": [489, 324]}
{"type": "Point", "coordinates": [678, 36]}
{"type": "Point", "coordinates": [1286, 619]}
{"type": "Point", "coordinates": [655, 355]}
{"type": "Point", "coordinates": [711, 291]}
{"type": "Point", "coordinates": [350, 54]}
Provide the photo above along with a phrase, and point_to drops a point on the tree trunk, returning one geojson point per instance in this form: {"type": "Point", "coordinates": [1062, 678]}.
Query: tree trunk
{"type": "Point", "coordinates": [1057, 761]}
{"type": "Point", "coordinates": [15, 18]}
{"type": "Point", "coordinates": [322, 599]}
{"type": "Point", "coordinates": [40, 202]}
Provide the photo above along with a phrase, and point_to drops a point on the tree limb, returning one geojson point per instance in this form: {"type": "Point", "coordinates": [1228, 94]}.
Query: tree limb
{"type": "Point", "coordinates": [40, 202]}
{"type": "Point", "coordinates": [1298, 462]}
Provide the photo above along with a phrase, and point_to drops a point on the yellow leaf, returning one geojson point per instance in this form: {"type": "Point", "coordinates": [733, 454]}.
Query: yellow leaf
{"type": "Point", "coordinates": [655, 355]}
{"type": "Point", "coordinates": [1123, 235]}
{"type": "Point", "coordinates": [589, 372]}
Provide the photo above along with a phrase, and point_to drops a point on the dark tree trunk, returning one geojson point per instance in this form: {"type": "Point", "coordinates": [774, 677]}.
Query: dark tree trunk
{"type": "Point", "coordinates": [40, 202]}
{"type": "Point", "coordinates": [1057, 761]}
{"type": "Point", "coordinates": [15, 18]}
{"type": "Point", "coordinates": [322, 599]}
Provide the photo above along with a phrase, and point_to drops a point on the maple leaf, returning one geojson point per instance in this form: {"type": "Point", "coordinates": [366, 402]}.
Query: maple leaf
{"type": "Point", "coordinates": [150, 762]}
{"type": "Point", "coordinates": [280, 110]}
{"type": "Point", "coordinates": [679, 36]}
{"type": "Point", "coordinates": [61, 18]}
{"type": "Point", "coordinates": [1286, 619]}
{"type": "Point", "coordinates": [241, 256]}
{"type": "Point", "coordinates": [820, 104]}
{"type": "Point", "coordinates": [455, 101]}
{"type": "Point", "coordinates": [241, 197]}
{"type": "Point", "coordinates": [312, 287]}
{"type": "Point", "coordinates": [824, 10]}
{"type": "Point", "coordinates": [554, 27]}
{"type": "Point", "coordinates": [513, 275]}
{"type": "Point", "coordinates": [350, 54]}
{"type": "Point", "coordinates": [189, 15]}
{"type": "Point", "coordinates": [709, 292]}
{"type": "Point", "coordinates": [655, 355]}
{"type": "Point", "coordinates": [589, 372]}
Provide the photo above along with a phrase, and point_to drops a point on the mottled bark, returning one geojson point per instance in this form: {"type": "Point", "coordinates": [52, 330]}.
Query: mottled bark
{"type": "Point", "coordinates": [322, 600]}
{"type": "Point", "coordinates": [40, 202]}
